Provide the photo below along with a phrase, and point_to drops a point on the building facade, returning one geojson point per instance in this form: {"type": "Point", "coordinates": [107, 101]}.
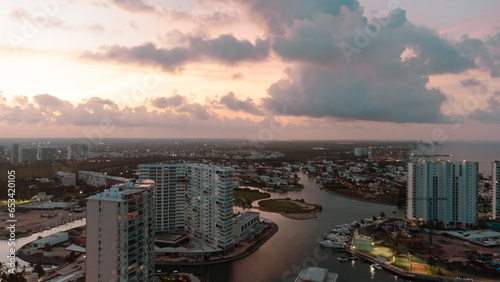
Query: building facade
{"type": "Point", "coordinates": [47, 154]}
{"type": "Point", "coordinates": [120, 234]}
{"type": "Point", "coordinates": [14, 153]}
{"type": "Point", "coordinates": [78, 151]}
{"type": "Point", "coordinates": [170, 194]}
{"type": "Point", "coordinates": [442, 192]}
{"type": "Point", "coordinates": [65, 178]}
{"type": "Point", "coordinates": [495, 205]}
{"type": "Point", "coordinates": [210, 202]}
{"type": "Point", "coordinates": [98, 179]}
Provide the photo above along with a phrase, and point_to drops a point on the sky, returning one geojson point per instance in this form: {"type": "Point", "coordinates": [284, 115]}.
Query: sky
{"type": "Point", "coordinates": [259, 70]}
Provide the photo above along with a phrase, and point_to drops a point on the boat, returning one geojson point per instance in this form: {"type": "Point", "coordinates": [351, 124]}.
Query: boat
{"type": "Point", "coordinates": [333, 244]}
{"type": "Point", "coordinates": [377, 266]}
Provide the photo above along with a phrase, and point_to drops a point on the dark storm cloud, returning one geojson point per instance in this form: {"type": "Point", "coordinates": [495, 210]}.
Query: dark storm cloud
{"type": "Point", "coordinates": [233, 103]}
{"type": "Point", "coordinates": [280, 14]}
{"type": "Point", "coordinates": [485, 52]}
{"type": "Point", "coordinates": [351, 95]}
{"type": "Point", "coordinates": [225, 49]}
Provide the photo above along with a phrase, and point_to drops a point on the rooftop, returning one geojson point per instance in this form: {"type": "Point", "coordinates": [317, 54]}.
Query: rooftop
{"type": "Point", "coordinates": [316, 274]}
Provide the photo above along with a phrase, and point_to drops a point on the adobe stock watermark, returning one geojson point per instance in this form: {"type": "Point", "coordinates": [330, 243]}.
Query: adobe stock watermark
{"type": "Point", "coordinates": [31, 26]}
{"type": "Point", "coordinates": [482, 93]}
{"type": "Point", "coordinates": [319, 255]}
{"type": "Point", "coordinates": [363, 36]}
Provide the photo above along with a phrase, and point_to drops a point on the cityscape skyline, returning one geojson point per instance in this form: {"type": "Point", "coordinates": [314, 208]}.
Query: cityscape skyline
{"type": "Point", "coordinates": [387, 70]}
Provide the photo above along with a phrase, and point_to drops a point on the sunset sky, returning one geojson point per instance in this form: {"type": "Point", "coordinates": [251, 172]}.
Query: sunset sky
{"type": "Point", "coordinates": [251, 69]}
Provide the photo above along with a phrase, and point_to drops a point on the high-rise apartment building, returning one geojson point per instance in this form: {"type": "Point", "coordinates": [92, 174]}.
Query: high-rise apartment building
{"type": "Point", "coordinates": [28, 154]}
{"type": "Point", "coordinates": [495, 204]}
{"type": "Point", "coordinates": [47, 153]}
{"type": "Point", "coordinates": [444, 192]}
{"type": "Point", "coordinates": [120, 233]}
{"type": "Point", "coordinates": [210, 201]}
{"type": "Point", "coordinates": [14, 153]}
{"type": "Point", "coordinates": [170, 194]}
{"type": "Point", "coordinates": [78, 151]}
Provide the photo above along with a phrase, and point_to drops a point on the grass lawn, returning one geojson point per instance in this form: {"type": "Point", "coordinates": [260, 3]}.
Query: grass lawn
{"type": "Point", "coordinates": [382, 251]}
{"type": "Point", "coordinates": [403, 263]}
{"type": "Point", "coordinates": [250, 195]}
{"type": "Point", "coordinates": [287, 206]}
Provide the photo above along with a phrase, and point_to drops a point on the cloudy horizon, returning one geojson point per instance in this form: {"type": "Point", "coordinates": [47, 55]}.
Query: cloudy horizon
{"type": "Point", "coordinates": [260, 70]}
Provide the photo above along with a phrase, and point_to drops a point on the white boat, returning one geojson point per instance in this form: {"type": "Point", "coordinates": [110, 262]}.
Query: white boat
{"type": "Point", "coordinates": [333, 244]}
{"type": "Point", "coordinates": [377, 266]}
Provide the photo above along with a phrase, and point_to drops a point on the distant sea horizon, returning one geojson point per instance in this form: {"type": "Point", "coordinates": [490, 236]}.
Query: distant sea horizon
{"type": "Point", "coordinates": [483, 152]}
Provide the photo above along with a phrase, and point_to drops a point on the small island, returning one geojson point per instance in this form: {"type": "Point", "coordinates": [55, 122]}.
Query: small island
{"type": "Point", "coordinates": [294, 209]}
{"type": "Point", "coordinates": [244, 197]}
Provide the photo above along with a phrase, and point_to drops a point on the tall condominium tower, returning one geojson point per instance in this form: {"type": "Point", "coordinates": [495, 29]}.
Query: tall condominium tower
{"type": "Point", "coordinates": [170, 202]}
{"type": "Point", "coordinates": [210, 204]}
{"type": "Point", "coordinates": [78, 151]}
{"type": "Point", "coordinates": [444, 192]}
{"type": "Point", "coordinates": [495, 205]}
{"type": "Point", "coordinates": [14, 153]}
{"type": "Point", "coordinates": [120, 233]}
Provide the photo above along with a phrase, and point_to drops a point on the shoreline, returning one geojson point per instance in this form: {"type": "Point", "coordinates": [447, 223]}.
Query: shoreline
{"type": "Point", "coordinates": [360, 199]}
{"type": "Point", "coordinates": [295, 216]}
{"type": "Point", "coordinates": [250, 250]}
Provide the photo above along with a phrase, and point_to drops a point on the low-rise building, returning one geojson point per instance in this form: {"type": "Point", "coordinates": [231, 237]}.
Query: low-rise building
{"type": "Point", "coordinates": [244, 222]}
{"type": "Point", "coordinates": [51, 240]}
{"type": "Point", "coordinates": [65, 178]}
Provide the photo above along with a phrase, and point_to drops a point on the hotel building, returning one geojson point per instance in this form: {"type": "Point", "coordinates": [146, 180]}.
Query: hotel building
{"type": "Point", "coordinates": [444, 192]}
{"type": "Point", "coordinates": [495, 205]}
{"type": "Point", "coordinates": [120, 233]}
{"type": "Point", "coordinates": [209, 214]}
{"type": "Point", "coordinates": [170, 194]}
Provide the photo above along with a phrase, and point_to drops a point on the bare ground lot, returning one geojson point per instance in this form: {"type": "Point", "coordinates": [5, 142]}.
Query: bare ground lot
{"type": "Point", "coordinates": [36, 220]}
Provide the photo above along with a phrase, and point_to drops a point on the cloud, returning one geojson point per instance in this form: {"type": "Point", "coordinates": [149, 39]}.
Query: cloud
{"type": "Point", "coordinates": [485, 52]}
{"type": "Point", "coordinates": [492, 113]}
{"type": "Point", "coordinates": [50, 110]}
{"type": "Point", "coordinates": [133, 6]}
{"type": "Point", "coordinates": [170, 60]}
{"type": "Point", "coordinates": [278, 15]}
{"type": "Point", "coordinates": [168, 102]}
{"type": "Point", "coordinates": [237, 75]}
{"type": "Point", "coordinates": [225, 49]}
{"type": "Point", "coordinates": [373, 83]}
{"type": "Point", "coordinates": [216, 18]}
{"type": "Point", "coordinates": [470, 82]}
{"type": "Point", "coordinates": [95, 27]}
{"type": "Point", "coordinates": [356, 95]}
{"type": "Point", "coordinates": [49, 101]}
{"type": "Point", "coordinates": [233, 103]}
{"type": "Point", "coordinates": [23, 16]}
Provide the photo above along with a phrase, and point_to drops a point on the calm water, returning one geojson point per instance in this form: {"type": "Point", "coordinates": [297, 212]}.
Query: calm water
{"type": "Point", "coordinates": [484, 152]}
{"type": "Point", "coordinates": [295, 245]}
